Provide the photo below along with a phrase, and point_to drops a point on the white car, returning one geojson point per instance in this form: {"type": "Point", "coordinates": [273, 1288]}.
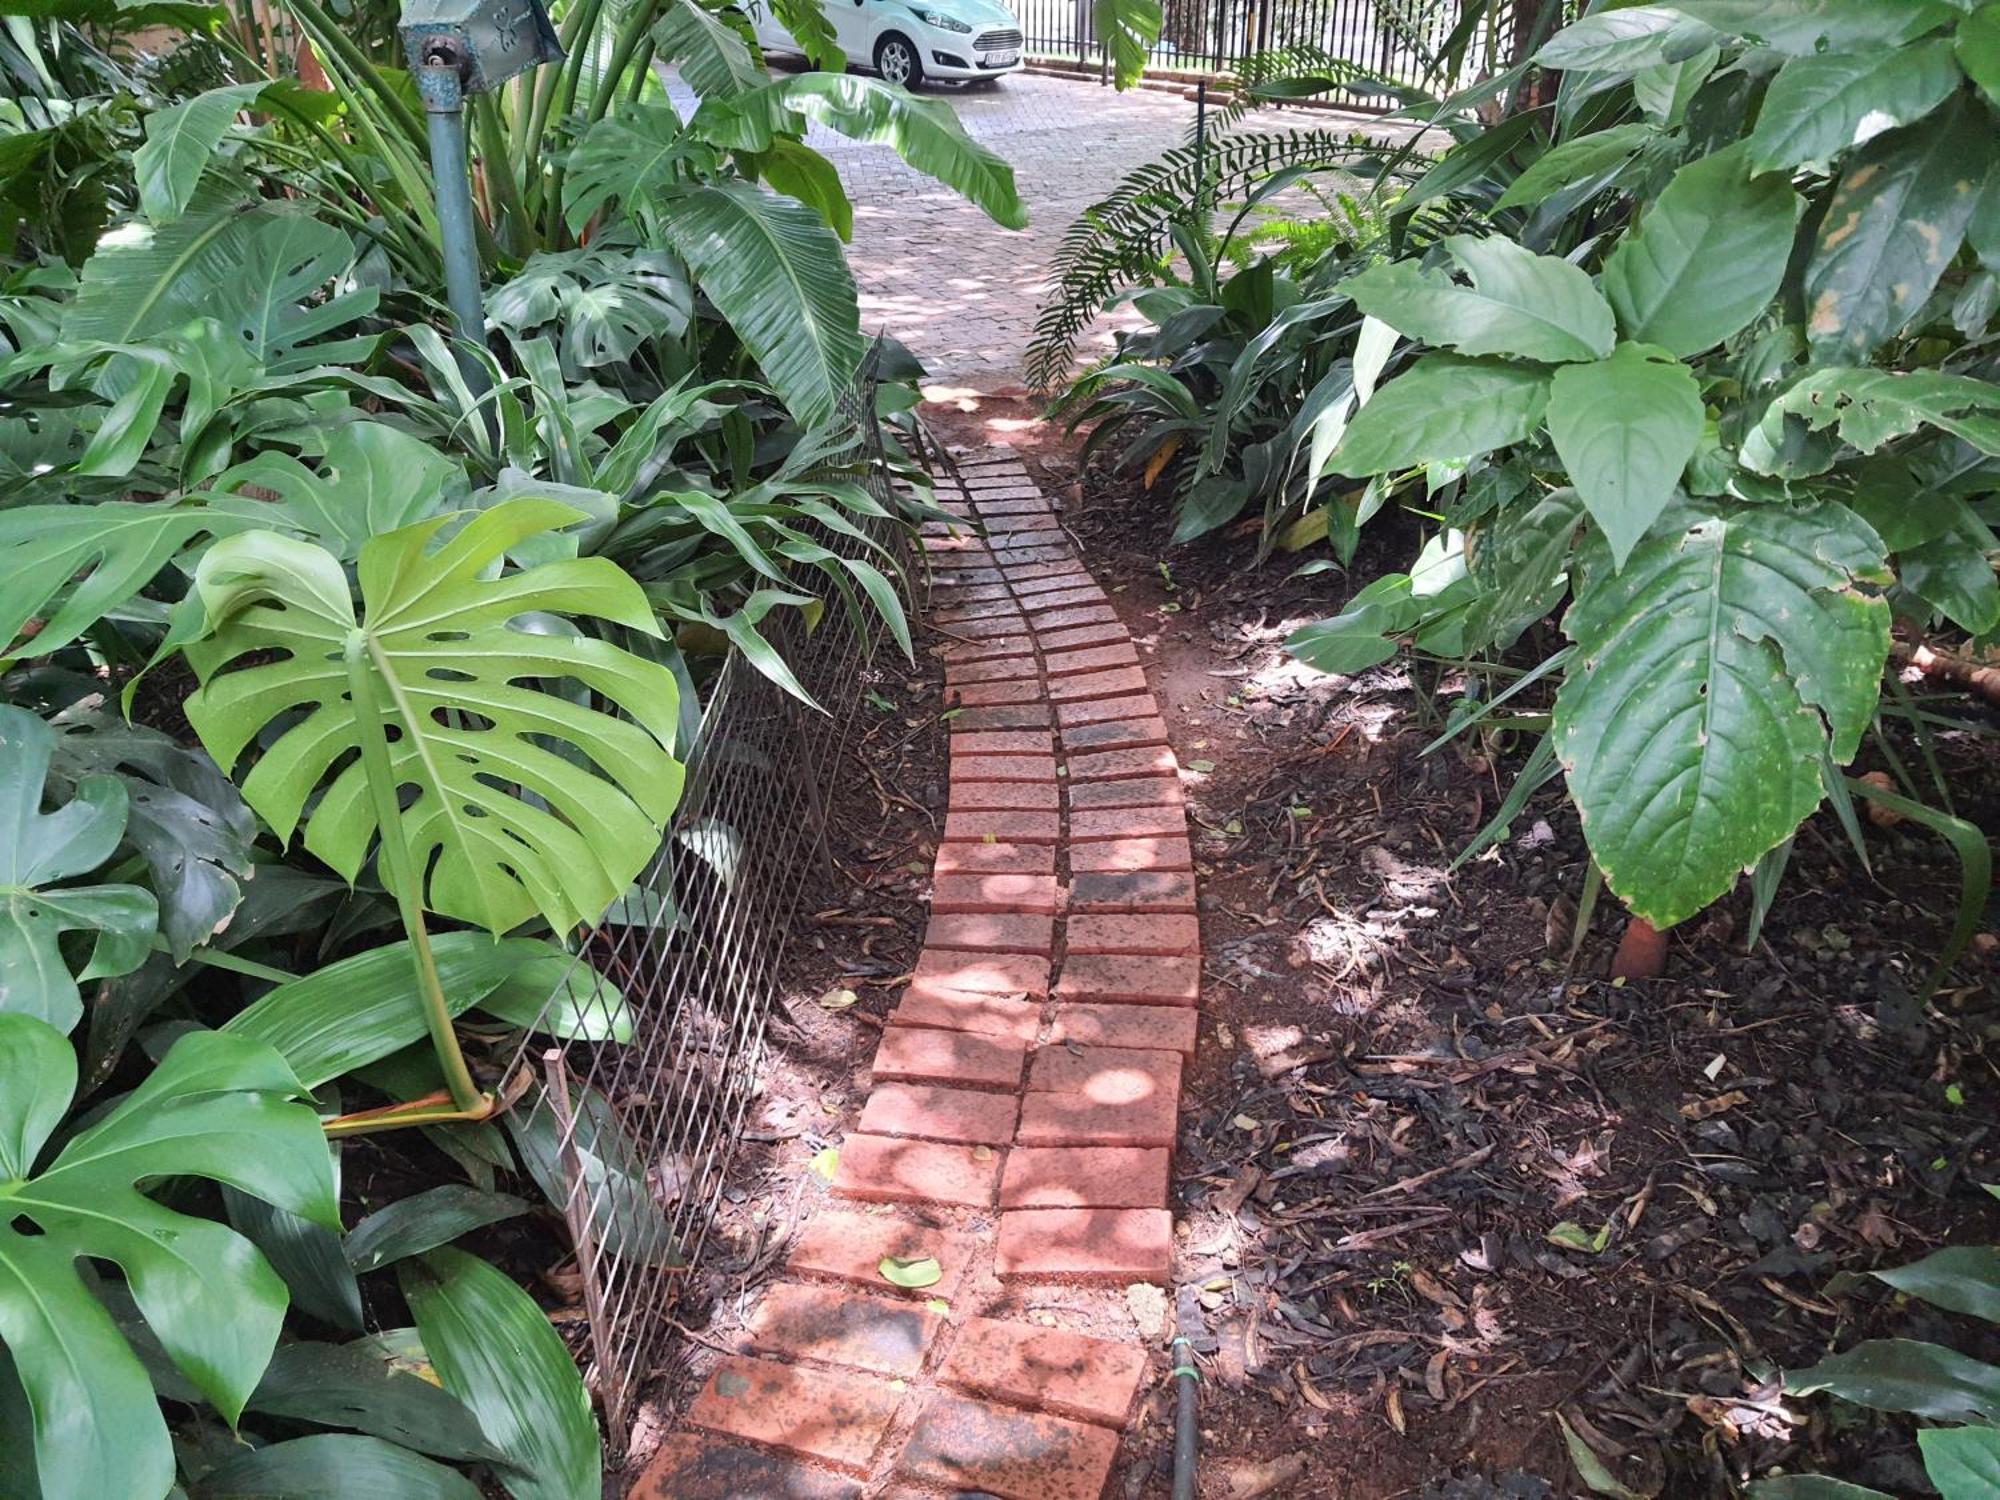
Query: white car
{"type": "Point", "coordinates": [907, 41]}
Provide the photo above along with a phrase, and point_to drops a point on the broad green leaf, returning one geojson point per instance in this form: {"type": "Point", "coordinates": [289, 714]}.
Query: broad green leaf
{"type": "Point", "coordinates": [1625, 428]}
{"type": "Point", "coordinates": [1707, 256]}
{"type": "Point", "coordinates": [912, 1274]}
{"type": "Point", "coordinates": [800, 172]}
{"type": "Point", "coordinates": [217, 1107]}
{"type": "Point", "coordinates": [1576, 160]}
{"type": "Point", "coordinates": [1925, 1380]}
{"type": "Point", "coordinates": [366, 1006]}
{"type": "Point", "coordinates": [611, 1175]}
{"type": "Point", "coordinates": [39, 851]}
{"type": "Point", "coordinates": [333, 1466]}
{"type": "Point", "coordinates": [1983, 232]}
{"type": "Point", "coordinates": [1713, 673]}
{"type": "Point", "coordinates": [349, 1385]}
{"type": "Point", "coordinates": [1952, 574]}
{"type": "Point", "coordinates": [495, 1351]}
{"type": "Point", "coordinates": [1364, 634]}
{"type": "Point", "coordinates": [1812, 1487]}
{"type": "Point", "coordinates": [502, 826]}
{"type": "Point", "coordinates": [715, 61]}
{"type": "Point", "coordinates": [93, 557]}
{"type": "Point", "coordinates": [1807, 28]}
{"type": "Point", "coordinates": [777, 274]}
{"type": "Point", "coordinates": [1520, 303]}
{"type": "Point", "coordinates": [424, 1221]}
{"type": "Point", "coordinates": [564, 996]}
{"type": "Point", "coordinates": [1978, 49]}
{"type": "Point", "coordinates": [1869, 408]}
{"type": "Point", "coordinates": [1445, 408]}
{"type": "Point", "coordinates": [1520, 557]}
{"type": "Point", "coordinates": [1665, 90]}
{"type": "Point", "coordinates": [1963, 1462]}
{"type": "Point", "coordinates": [180, 142]}
{"type": "Point", "coordinates": [1636, 36]}
{"type": "Point", "coordinates": [635, 155]}
{"type": "Point", "coordinates": [1961, 1279]}
{"type": "Point", "coordinates": [1817, 107]}
{"type": "Point", "coordinates": [1128, 29]}
{"type": "Point", "coordinates": [373, 478]}
{"type": "Point", "coordinates": [184, 818]}
{"type": "Point", "coordinates": [807, 22]}
{"type": "Point", "coordinates": [924, 132]}
{"type": "Point", "coordinates": [1895, 222]}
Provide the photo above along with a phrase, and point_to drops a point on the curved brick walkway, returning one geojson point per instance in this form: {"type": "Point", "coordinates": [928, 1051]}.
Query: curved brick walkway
{"type": "Point", "coordinates": [1025, 1088]}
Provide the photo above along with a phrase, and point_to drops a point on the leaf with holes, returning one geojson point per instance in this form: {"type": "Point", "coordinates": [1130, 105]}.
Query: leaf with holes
{"type": "Point", "coordinates": [1714, 675]}
{"type": "Point", "coordinates": [218, 1107]}
{"type": "Point", "coordinates": [523, 801]}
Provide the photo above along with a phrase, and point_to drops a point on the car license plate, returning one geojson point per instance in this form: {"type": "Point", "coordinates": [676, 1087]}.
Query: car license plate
{"type": "Point", "coordinates": [1002, 59]}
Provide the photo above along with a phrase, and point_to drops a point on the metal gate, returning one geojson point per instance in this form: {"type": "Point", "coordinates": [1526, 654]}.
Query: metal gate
{"type": "Point", "coordinates": [1400, 41]}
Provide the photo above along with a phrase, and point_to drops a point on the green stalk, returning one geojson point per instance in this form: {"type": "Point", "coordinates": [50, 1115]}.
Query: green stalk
{"type": "Point", "coordinates": [217, 958]}
{"type": "Point", "coordinates": [642, 69]}
{"type": "Point", "coordinates": [501, 182]}
{"type": "Point", "coordinates": [633, 31]}
{"type": "Point", "coordinates": [403, 873]}
{"type": "Point", "coordinates": [330, 38]}
{"type": "Point", "coordinates": [528, 148]}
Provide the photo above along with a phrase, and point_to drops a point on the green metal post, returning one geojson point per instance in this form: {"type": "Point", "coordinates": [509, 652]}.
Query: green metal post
{"type": "Point", "coordinates": [444, 109]}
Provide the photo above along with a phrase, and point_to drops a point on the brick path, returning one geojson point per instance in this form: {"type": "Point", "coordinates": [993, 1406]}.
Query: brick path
{"type": "Point", "coordinates": [1023, 1111]}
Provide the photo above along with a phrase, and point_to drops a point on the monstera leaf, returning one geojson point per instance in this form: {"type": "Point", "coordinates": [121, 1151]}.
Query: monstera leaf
{"type": "Point", "coordinates": [1717, 672]}
{"type": "Point", "coordinates": [219, 1107]}
{"type": "Point", "coordinates": [372, 478]}
{"type": "Point", "coordinates": [38, 850]}
{"type": "Point", "coordinates": [521, 800]}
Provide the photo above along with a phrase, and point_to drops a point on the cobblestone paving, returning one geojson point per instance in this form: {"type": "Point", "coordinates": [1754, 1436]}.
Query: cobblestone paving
{"type": "Point", "coordinates": [1022, 1108]}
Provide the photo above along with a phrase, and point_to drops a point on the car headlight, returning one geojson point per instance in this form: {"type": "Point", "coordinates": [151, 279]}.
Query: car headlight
{"type": "Point", "coordinates": [940, 20]}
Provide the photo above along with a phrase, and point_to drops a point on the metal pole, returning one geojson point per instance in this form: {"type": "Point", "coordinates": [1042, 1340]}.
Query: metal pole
{"type": "Point", "coordinates": [444, 111]}
{"type": "Point", "coordinates": [1200, 140]}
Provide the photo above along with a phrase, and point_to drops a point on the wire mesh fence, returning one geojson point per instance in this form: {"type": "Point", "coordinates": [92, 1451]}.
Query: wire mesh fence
{"type": "Point", "coordinates": [1400, 41]}
{"type": "Point", "coordinates": [631, 1124]}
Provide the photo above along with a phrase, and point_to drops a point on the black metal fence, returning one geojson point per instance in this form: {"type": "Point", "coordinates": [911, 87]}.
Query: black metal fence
{"type": "Point", "coordinates": [1398, 40]}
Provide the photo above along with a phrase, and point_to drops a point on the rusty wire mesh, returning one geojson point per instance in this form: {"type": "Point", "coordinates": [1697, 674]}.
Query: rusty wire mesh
{"type": "Point", "coordinates": [632, 1134]}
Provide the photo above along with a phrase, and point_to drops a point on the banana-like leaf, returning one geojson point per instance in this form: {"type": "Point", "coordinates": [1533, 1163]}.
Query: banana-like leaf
{"type": "Point", "coordinates": [1962, 1279]}
{"type": "Point", "coordinates": [1963, 1462]}
{"type": "Point", "coordinates": [38, 851]}
{"type": "Point", "coordinates": [806, 21]}
{"type": "Point", "coordinates": [501, 827]}
{"type": "Point", "coordinates": [714, 60]}
{"type": "Point", "coordinates": [1926, 1380]}
{"type": "Point", "coordinates": [563, 996]}
{"type": "Point", "coordinates": [219, 1107]}
{"type": "Point", "coordinates": [1712, 675]}
{"type": "Point", "coordinates": [350, 1385]}
{"type": "Point", "coordinates": [333, 1466]}
{"type": "Point", "coordinates": [495, 1351]}
{"type": "Point", "coordinates": [1129, 28]}
{"type": "Point", "coordinates": [180, 142]}
{"type": "Point", "coordinates": [777, 273]}
{"type": "Point", "coordinates": [424, 1221]}
{"type": "Point", "coordinates": [924, 132]}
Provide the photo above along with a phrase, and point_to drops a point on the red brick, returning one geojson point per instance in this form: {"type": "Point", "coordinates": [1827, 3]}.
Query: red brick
{"type": "Point", "coordinates": [959, 575]}
{"type": "Point", "coordinates": [1015, 505]}
{"type": "Point", "coordinates": [1002, 827]}
{"type": "Point", "coordinates": [849, 1245]}
{"type": "Point", "coordinates": [989, 694]}
{"type": "Point", "coordinates": [1002, 716]}
{"type": "Point", "coordinates": [1042, 546]}
{"type": "Point", "coordinates": [965, 1445]}
{"type": "Point", "coordinates": [962, 545]}
{"type": "Point", "coordinates": [1102, 710]}
{"type": "Point", "coordinates": [1098, 1244]}
{"type": "Point", "coordinates": [1139, 791]}
{"type": "Point", "coordinates": [1097, 659]}
{"type": "Point", "coordinates": [1131, 891]}
{"type": "Point", "coordinates": [1091, 1380]}
{"type": "Point", "coordinates": [1156, 981]}
{"type": "Point", "coordinates": [1144, 763]}
{"type": "Point", "coordinates": [1163, 1028]}
{"type": "Point", "coordinates": [1019, 556]}
{"type": "Point", "coordinates": [1106, 1075]}
{"type": "Point", "coordinates": [1117, 856]}
{"type": "Point", "coordinates": [1004, 669]}
{"type": "Point", "coordinates": [1057, 601]}
{"type": "Point", "coordinates": [1091, 687]}
{"type": "Point", "coordinates": [1045, 528]}
{"type": "Point", "coordinates": [982, 973]}
{"type": "Point", "coordinates": [1085, 637]}
{"type": "Point", "coordinates": [1050, 580]}
{"type": "Point", "coordinates": [838, 1326]}
{"type": "Point", "coordinates": [1001, 742]}
{"type": "Point", "coordinates": [1066, 573]}
{"type": "Point", "coordinates": [981, 1015]}
{"type": "Point", "coordinates": [1168, 936]}
{"type": "Point", "coordinates": [1094, 825]}
{"type": "Point", "coordinates": [1149, 729]}
{"type": "Point", "coordinates": [1081, 614]}
{"type": "Point", "coordinates": [917, 1056]}
{"type": "Point", "coordinates": [997, 932]}
{"type": "Point", "coordinates": [998, 859]}
{"type": "Point", "coordinates": [835, 1418]}
{"type": "Point", "coordinates": [959, 595]}
{"type": "Point", "coordinates": [989, 649]}
{"type": "Point", "coordinates": [1078, 1120]}
{"type": "Point", "coordinates": [968, 795]}
{"type": "Point", "coordinates": [880, 1169]}
{"type": "Point", "coordinates": [694, 1467]}
{"type": "Point", "coordinates": [980, 623]}
{"type": "Point", "coordinates": [1085, 1177]}
{"type": "Point", "coordinates": [931, 1113]}
{"type": "Point", "coordinates": [1034, 895]}
{"type": "Point", "coordinates": [1031, 768]}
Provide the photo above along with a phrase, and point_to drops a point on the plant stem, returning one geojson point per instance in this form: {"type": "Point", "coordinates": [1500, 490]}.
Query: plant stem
{"type": "Point", "coordinates": [403, 874]}
{"type": "Point", "coordinates": [217, 958]}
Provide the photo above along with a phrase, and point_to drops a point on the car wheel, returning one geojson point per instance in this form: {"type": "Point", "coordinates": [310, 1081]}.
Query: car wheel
{"type": "Point", "coordinates": [897, 61]}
